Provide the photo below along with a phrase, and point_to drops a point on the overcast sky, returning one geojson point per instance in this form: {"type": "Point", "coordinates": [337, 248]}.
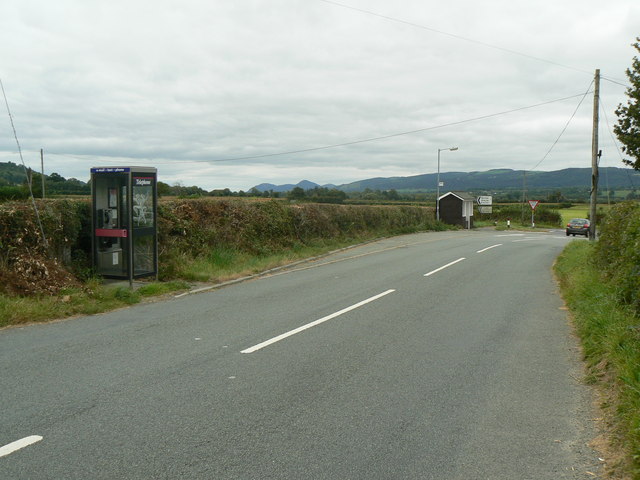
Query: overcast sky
{"type": "Point", "coordinates": [194, 87]}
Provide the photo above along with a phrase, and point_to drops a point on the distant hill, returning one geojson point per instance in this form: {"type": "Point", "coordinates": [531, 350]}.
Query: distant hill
{"type": "Point", "coordinates": [13, 176]}
{"type": "Point", "coordinates": [304, 184]}
{"type": "Point", "coordinates": [502, 179]}
{"type": "Point", "coordinates": [498, 179]}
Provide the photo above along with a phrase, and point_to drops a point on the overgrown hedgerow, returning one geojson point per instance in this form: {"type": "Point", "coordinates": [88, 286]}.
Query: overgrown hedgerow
{"type": "Point", "coordinates": [617, 252]}
{"type": "Point", "coordinates": [610, 338]}
{"type": "Point", "coordinates": [188, 229]}
{"type": "Point", "coordinates": [601, 284]}
{"type": "Point", "coordinates": [544, 214]}
{"type": "Point", "coordinates": [31, 266]}
{"type": "Point", "coordinates": [195, 227]}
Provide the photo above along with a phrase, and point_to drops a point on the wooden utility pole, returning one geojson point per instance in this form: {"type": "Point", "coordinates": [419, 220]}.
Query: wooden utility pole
{"type": "Point", "coordinates": [524, 195]}
{"type": "Point", "coordinates": [42, 169]}
{"type": "Point", "coordinates": [594, 156]}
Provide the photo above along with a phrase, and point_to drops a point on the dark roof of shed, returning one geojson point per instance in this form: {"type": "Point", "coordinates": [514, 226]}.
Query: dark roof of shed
{"type": "Point", "coordinates": [461, 195]}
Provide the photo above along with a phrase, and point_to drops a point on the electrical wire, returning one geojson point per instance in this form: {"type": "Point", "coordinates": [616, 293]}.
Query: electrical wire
{"type": "Point", "coordinates": [617, 82]}
{"type": "Point", "coordinates": [565, 127]}
{"type": "Point", "coordinates": [524, 172]}
{"type": "Point", "coordinates": [356, 142]}
{"type": "Point", "coordinates": [452, 35]}
{"type": "Point", "coordinates": [35, 208]}
{"type": "Point", "coordinates": [615, 143]}
{"type": "Point", "coordinates": [471, 40]}
{"type": "Point", "coordinates": [392, 135]}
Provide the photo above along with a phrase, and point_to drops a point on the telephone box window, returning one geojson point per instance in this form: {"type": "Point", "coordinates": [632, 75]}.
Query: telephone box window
{"type": "Point", "coordinates": [143, 202]}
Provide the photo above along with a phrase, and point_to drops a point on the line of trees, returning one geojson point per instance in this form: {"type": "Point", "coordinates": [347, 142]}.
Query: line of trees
{"type": "Point", "coordinates": [14, 184]}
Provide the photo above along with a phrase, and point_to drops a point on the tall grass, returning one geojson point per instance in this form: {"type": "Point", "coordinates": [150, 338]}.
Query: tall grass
{"type": "Point", "coordinates": [91, 299]}
{"type": "Point", "coordinates": [610, 334]}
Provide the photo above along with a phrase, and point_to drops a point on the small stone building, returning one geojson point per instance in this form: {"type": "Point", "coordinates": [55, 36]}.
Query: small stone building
{"type": "Point", "coordinates": [456, 208]}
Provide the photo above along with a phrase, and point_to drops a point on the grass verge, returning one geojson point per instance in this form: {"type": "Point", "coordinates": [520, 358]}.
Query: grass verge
{"type": "Point", "coordinates": [220, 265]}
{"type": "Point", "coordinates": [92, 298]}
{"type": "Point", "coordinates": [610, 335]}
{"type": "Point", "coordinates": [223, 264]}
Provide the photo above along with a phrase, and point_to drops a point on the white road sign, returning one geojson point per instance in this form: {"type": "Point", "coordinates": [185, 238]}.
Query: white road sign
{"type": "Point", "coordinates": [485, 200]}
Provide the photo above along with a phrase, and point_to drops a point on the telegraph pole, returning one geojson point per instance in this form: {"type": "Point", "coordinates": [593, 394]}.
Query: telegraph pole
{"type": "Point", "coordinates": [42, 169]}
{"type": "Point", "coordinates": [594, 156]}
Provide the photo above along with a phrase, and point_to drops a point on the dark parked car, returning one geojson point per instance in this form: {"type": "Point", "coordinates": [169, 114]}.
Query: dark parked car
{"type": "Point", "coordinates": [578, 226]}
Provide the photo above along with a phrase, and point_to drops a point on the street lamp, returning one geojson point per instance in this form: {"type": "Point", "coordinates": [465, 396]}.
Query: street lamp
{"type": "Point", "coordinates": [438, 186]}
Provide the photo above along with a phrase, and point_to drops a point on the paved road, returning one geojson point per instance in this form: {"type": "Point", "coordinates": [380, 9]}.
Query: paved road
{"type": "Point", "coordinates": [432, 356]}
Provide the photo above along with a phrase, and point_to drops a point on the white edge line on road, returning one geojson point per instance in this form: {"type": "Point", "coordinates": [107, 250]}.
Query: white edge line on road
{"type": "Point", "coordinates": [444, 266]}
{"type": "Point", "coordinates": [314, 323]}
{"type": "Point", "coordinates": [489, 248]}
{"type": "Point", "coordinates": [18, 444]}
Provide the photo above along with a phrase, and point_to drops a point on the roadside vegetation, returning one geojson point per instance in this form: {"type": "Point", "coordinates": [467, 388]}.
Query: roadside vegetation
{"type": "Point", "coordinates": [546, 215]}
{"type": "Point", "coordinates": [601, 285]}
{"type": "Point", "coordinates": [200, 240]}
{"type": "Point", "coordinates": [213, 240]}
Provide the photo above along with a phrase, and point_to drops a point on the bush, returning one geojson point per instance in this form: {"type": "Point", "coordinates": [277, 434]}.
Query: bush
{"type": "Point", "coordinates": [618, 251]}
{"type": "Point", "coordinates": [28, 265]}
{"type": "Point", "coordinates": [543, 214]}
{"type": "Point", "coordinates": [188, 229]}
{"type": "Point", "coordinates": [611, 348]}
{"type": "Point", "coordinates": [195, 228]}
{"type": "Point", "coordinates": [11, 192]}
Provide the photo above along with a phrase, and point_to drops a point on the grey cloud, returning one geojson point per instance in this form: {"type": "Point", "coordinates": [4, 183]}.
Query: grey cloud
{"type": "Point", "coordinates": [180, 84]}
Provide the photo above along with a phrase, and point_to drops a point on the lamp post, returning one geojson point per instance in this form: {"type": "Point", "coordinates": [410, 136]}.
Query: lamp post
{"type": "Point", "coordinates": [438, 186]}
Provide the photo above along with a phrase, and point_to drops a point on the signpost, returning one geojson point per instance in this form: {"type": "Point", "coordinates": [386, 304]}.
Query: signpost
{"type": "Point", "coordinates": [533, 204]}
{"type": "Point", "coordinates": [485, 203]}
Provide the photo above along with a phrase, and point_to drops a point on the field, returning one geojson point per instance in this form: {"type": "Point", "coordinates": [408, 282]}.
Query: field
{"type": "Point", "coordinates": [581, 210]}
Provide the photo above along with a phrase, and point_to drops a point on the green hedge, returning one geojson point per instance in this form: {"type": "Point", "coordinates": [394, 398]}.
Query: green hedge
{"type": "Point", "coordinates": [187, 229]}
{"type": "Point", "coordinates": [543, 214]}
{"type": "Point", "coordinates": [618, 251]}
{"type": "Point", "coordinates": [611, 349]}
{"type": "Point", "coordinates": [194, 227]}
{"type": "Point", "coordinates": [12, 192]}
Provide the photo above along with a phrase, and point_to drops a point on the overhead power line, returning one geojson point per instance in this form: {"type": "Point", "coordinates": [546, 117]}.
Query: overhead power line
{"type": "Point", "coordinates": [392, 135]}
{"type": "Point", "coordinates": [35, 207]}
{"type": "Point", "coordinates": [453, 35]}
{"type": "Point", "coordinates": [565, 128]}
{"type": "Point", "coordinates": [471, 40]}
{"type": "Point", "coordinates": [615, 143]}
{"type": "Point", "coordinates": [372, 139]}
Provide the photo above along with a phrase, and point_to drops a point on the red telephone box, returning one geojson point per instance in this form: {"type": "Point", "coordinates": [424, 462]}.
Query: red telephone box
{"type": "Point", "coordinates": [124, 221]}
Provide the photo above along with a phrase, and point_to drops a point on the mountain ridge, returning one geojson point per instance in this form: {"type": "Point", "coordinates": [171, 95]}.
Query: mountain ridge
{"type": "Point", "coordinates": [499, 179]}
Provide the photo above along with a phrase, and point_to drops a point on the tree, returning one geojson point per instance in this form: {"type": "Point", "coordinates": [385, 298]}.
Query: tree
{"type": "Point", "coordinates": [391, 194]}
{"type": "Point", "coordinates": [56, 177]}
{"type": "Point", "coordinates": [628, 128]}
{"type": "Point", "coordinates": [297, 193]}
{"type": "Point", "coordinates": [163, 189]}
{"type": "Point", "coordinates": [555, 197]}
